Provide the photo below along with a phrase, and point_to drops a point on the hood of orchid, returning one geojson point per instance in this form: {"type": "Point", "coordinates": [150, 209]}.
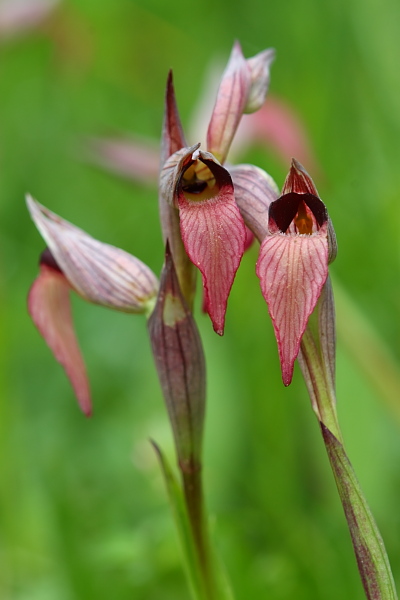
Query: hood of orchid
{"type": "Point", "coordinates": [293, 261]}
{"type": "Point", "coordinates": [211, 226]}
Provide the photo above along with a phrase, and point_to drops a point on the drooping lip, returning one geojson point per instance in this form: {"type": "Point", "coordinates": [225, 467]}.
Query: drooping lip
{"type": "Point", "coordinates": [214, 235]}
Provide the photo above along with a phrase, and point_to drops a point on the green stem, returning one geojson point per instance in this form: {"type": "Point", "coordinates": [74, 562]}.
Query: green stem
{"type": "Point", "coordinates": [194, 498]}
{"type": "Point", "coordinates": [317, 362]}
{"type": "Point", "coordinates": [323, 396]}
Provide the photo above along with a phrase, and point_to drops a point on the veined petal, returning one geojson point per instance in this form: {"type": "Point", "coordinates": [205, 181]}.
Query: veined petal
{"type": "Point", "coordinates": [298, 181]}
{"type": "Point", "coordinates": [292, 271]}
{"type": "Point", "coordinates": [173, 138]}
{"type": "Point", "coordinates": [49, 307]}
{"type": "Point", "coordinates": [243, 88]}
{"type": "Point", "coordinates": [100, 273]}
{"type": "Point", "coordinates": [259, 68]}
{"type": "Point", "coordinates": [214, 235]}
{"type": "Point", "coordinates": [254, 192]}
{"type": "Point", "coordinates": [230, 104]}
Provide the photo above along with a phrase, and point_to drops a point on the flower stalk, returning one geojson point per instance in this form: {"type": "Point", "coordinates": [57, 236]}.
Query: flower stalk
{"type": "Point", "coordinates": [317, 362]}
{"type": "Point", "coordinates": [180, 364]}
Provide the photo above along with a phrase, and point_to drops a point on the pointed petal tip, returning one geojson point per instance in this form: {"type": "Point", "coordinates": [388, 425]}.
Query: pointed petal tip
{"type": "Point", "coordinates": [36, 210]}
{"type": "Point", "coordinates": [292, 272]}
{"type": "Point", "coordinates": [237, 47]}
{"type": "Point", "coordinates": [298, 180]}
{"type": "Point", "coordinates": [87, 411]}
{"type": "Point", "coordinates": [270, 53]}
{"type": "Point", "coordinates": [30, 203]}
{"type": "Point", "coordinates": [170, 82]}
{"type": "Point", "coordinates": [296, 164]}
{"type": "Point", "coordinates": [297, 169]}
{"type": "Point", "coordinates": [287, 375]}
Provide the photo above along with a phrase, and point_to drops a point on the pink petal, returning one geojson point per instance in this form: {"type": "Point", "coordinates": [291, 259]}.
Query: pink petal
{"type": "Point", "coordinates": [243, 88]}
{"type": "Point", "coordinates": [230, 104]}
{"type": "Point", "coordinates": [259, 69]}
{"type": "Point", "coordinates": [214, 235]}
{"type": "Point", "coordinates": [100, 273]}
{"type": "Point", "coordinates": [136, 159]}
{"type": "Point", "coordinates": [254, 192]}
{"type": "Point", "coordinates": [50, 309]}
{"type": "Point", "coordinates": [292, 271]}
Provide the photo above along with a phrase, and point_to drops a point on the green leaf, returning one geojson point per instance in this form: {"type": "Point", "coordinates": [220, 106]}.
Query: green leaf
{"type": "Point", "coordinates": [373, 562]}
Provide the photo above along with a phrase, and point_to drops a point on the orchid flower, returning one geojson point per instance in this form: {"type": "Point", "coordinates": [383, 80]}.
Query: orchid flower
{"type": "Point", "coordinates": [98, 272]}
{"type": "Point", "coordinates": [293, 261]}
{"type": "Point", "coordinates": [194, 183]}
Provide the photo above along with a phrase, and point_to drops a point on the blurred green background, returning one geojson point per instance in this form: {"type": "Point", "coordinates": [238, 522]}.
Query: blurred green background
{"type": "Point", "coordinates": [83, 511]}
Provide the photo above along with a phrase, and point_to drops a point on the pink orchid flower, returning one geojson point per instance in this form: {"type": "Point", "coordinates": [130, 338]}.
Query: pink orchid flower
{"type": "Point", "coordinates": [99, 273]}
{"type": "Point", "coordinates": [194, 182]}
{"type": "Point", "coordinates": [293, 261]}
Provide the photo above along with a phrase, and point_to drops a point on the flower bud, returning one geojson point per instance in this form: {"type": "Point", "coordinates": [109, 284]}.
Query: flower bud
{"type": "Point", "coordinates": [180, 364]}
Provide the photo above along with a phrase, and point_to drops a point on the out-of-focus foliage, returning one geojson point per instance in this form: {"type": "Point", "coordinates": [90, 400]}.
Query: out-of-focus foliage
{"type": "Point", "coordinates": [83, 510]}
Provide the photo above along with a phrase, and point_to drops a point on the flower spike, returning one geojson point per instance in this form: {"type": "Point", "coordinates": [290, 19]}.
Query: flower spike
{"type": "Point", "coordinates": [293, 262]}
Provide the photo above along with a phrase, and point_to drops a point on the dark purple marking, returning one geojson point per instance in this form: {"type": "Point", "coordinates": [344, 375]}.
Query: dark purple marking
{"type": "Point", "coordinates": [46, 258]}
{"type": "Point", "coordinates": [283, 210]}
